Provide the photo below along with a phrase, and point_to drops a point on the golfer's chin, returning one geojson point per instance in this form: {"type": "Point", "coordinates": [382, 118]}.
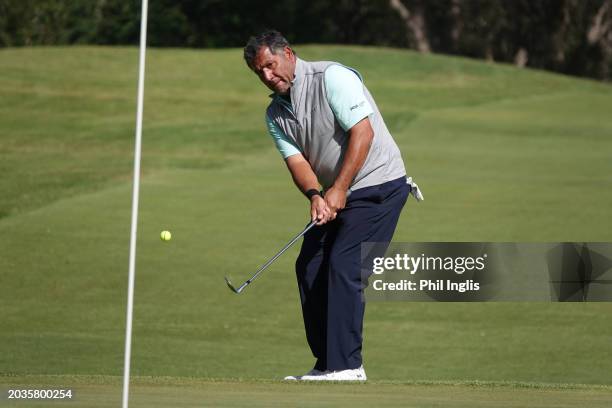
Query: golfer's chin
{"type": "Point", "coordinates": [280, 88]}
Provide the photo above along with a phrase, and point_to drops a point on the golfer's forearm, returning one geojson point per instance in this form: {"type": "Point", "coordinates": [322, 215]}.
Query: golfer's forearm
{"type": "Point", "coordinates": [302, 174]}
{"type": "Point", "coordinates": [360, 140]}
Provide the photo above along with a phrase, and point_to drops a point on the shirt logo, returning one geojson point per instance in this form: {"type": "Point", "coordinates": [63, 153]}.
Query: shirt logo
{"type": "Point", "coordinates": [359, 105]}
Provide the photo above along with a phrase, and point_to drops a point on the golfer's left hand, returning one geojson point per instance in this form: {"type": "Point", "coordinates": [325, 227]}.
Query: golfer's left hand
{"type": "Point", "coordinates": [336, 200]}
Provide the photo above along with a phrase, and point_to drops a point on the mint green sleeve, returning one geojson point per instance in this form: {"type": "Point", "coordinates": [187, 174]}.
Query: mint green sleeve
{"type": "Point", "coordinates": [285, 146]}
{"type": "Point", "coordinates": [345, 96]}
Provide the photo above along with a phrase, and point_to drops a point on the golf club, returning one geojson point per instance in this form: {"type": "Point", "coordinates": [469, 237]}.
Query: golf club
{"type": "Point", "coordinates": [262, 268]}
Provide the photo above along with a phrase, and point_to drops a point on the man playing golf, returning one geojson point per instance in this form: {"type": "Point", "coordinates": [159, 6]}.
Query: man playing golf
{"type": "Point", "coordinates": [328, 129]}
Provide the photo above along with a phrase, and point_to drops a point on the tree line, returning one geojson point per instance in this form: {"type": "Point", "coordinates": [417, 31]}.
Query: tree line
{"type": "Point", "coordinates": [568, 36]}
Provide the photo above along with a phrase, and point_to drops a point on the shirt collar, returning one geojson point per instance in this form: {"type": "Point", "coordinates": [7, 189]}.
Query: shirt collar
{"type": "Point", "coordinates": [299, 71]}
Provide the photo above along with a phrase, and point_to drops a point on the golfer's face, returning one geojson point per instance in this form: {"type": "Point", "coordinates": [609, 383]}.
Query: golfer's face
{"type": "Point", "coordinates": [276, 71]}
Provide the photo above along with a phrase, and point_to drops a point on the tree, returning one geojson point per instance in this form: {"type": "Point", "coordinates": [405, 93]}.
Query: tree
{"type": "Point", "coordinates": [414, 20]}
{"type": "Point", "coordinates": [569, 36]}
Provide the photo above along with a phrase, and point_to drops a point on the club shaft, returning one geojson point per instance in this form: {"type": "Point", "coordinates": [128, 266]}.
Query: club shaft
{"type": "Point", "coordinates": [264, 266]}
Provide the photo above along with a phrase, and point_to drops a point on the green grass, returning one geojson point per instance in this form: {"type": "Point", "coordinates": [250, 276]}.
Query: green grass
{"type": "Point", "coordinates": [100, 391]}
{"type": "Point", "coordinates": [501, 154]}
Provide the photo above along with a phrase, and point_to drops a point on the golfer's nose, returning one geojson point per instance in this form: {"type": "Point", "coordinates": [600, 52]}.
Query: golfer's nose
{"type": "Point", "coordinates": [267, 74]}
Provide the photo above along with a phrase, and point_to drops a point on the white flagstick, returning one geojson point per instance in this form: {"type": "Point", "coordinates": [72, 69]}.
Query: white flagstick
{"type": "Point", "coordinates": [135, 195]}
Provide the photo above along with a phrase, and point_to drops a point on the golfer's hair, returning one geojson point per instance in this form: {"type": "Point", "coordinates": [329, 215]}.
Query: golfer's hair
{"type": "Point", "coordinates": [269, 38]}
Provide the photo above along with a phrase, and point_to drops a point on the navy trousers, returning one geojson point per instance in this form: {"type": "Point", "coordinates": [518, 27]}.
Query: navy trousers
{"type": "Point", "coordinates": [329, 272]}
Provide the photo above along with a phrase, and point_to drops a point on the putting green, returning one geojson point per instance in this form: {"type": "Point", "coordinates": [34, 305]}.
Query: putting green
{"type": "Point", "coordinates": [100, 392]}
{"type": "Point", "coordinates": [501, 154]}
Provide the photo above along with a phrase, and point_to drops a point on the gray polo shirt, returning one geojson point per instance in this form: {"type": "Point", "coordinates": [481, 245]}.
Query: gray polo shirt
{"type": "Point", "coordinates": [327, 99]}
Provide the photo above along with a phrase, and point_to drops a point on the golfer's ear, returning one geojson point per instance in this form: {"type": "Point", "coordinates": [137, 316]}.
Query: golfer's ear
{"type": "Point", "coordinates": [289, 53]}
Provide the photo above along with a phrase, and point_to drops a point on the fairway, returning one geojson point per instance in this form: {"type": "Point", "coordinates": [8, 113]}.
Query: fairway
{"type": "Point", "coordinates": [501, 154]}
{"type": "Point", "coordinates": [101, 392]}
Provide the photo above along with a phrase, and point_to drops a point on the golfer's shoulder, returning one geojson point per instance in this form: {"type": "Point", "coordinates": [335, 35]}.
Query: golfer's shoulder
{"type": "Point", "coordinates": [274, 110]}
{"type": "Point", "coordinates": [316, 68]}
{"type": "Point", "coordinates": [341, 75]}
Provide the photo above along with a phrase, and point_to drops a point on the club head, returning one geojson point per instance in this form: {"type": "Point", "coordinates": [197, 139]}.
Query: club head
{"type": "Point", "coordinates": [232, 288]}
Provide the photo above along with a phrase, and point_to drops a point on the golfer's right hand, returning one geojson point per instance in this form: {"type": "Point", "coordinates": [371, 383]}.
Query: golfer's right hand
{"type": "Point", "coordinates": [319, 211]}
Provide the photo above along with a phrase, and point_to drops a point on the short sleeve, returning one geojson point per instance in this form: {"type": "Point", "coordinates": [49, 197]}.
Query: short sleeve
{"type": "Point", "coordinates": [345, 95]}
{"type": "Point", "coordinates": [285, 146]}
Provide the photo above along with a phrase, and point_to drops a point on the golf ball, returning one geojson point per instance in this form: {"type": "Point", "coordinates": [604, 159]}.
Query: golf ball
{"type": "Point", "coordinates": [165, 236]}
